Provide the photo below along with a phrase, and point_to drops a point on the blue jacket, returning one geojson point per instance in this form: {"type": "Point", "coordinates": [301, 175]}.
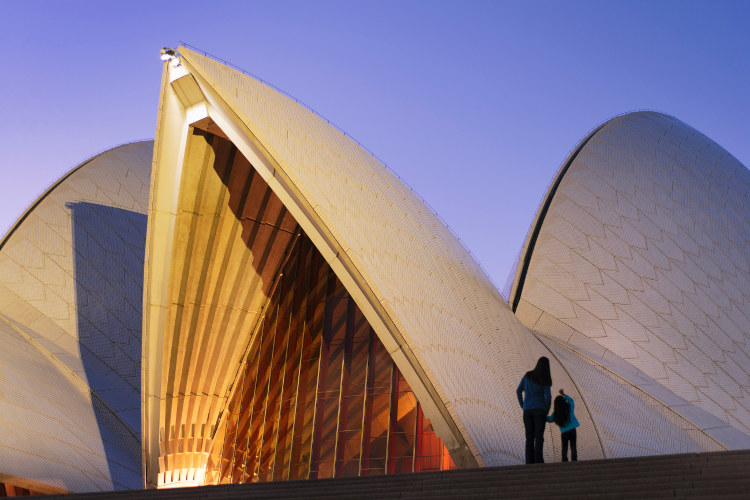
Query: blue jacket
{"type": "Point", "coordinates": [537, 397]}
{"type": "Point", "coordinates": [572, 422]}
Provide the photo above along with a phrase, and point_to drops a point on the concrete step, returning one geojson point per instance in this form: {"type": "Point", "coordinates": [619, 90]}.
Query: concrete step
{"type": "Point", "coordinates": [689, 476]}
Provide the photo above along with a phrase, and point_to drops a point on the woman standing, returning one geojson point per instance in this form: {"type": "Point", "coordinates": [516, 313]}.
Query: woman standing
{"type": "Point", "coordinates": [535, 398]}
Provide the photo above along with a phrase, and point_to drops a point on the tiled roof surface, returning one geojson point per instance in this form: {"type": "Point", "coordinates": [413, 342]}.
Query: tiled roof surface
{"type": "Point", "coordinates": [71, 275]}
{"type": "Point", "coordinates": [644, 253]}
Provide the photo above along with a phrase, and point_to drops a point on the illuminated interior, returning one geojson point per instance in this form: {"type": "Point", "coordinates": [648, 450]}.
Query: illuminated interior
{"type": "Point", "coordinates": [9, 490]}
{"type": "Point", "coordinates": [317, 395]}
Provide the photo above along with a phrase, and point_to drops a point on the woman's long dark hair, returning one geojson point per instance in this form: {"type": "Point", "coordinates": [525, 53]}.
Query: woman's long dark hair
{"type": "Point", "coordinates": [562, 411]}
{"type": "Point", "coordinates": [540, 375]}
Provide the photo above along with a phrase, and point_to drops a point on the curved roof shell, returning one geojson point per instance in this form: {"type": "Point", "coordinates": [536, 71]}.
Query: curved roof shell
{"type": "Point", "coordinates": [444, 323]}
{"type": "Point", "coordinates": [446, 326]}
{"type": "Point", "coordinates": [71, 273]}
{"type": "Point", "coordinates": [640, 254]}
{"type": "Point", "coordinates": [619, 288]}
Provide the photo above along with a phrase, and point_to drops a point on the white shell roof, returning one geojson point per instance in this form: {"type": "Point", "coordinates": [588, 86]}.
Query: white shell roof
{"type": "Point", "coordinates": [71, 274]}
{"type": "Point", "coordinates": [635, 289]}
{"type": "Point", "coordinates": [643, 253]}
{"type": "Point", "coordinates": [447, 313]}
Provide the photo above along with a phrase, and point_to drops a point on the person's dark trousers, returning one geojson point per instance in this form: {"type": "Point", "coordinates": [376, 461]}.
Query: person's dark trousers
{"type": "Point", "coordinates": [534, 422]}
{"type": "Point", "coordinates": [569, 437]}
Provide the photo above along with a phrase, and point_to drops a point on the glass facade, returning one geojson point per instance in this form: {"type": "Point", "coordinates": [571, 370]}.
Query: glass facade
{"type": "Point", "coordinates": [318, 395]}
{"type": "Point", "coordinates": [9, 490]}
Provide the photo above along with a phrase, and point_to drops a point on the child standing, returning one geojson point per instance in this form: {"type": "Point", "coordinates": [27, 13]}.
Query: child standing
{"type": "Point", "coordinates": [565, 418]}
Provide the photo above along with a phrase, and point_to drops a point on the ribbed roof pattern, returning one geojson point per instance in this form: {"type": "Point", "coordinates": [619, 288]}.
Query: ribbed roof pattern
{"type": "Point", "coordinates": [634, 284]}
{"type": "Point", "coordinates": [71, 278]}
{"type": "Point", "coordinates": [448, 312]}
{"type": "Point", "coordinates": [644, 253]}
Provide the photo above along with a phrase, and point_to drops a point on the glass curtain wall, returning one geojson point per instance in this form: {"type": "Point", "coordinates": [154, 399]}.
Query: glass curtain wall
{"type": "Point", "coordinates": [9, 490]}
{"type": "Point", "coordinates": [319, 396]}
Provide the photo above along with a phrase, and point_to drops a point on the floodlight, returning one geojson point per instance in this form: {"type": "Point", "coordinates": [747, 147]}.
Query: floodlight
{"type": "Point", "coordinates": [167, 53]}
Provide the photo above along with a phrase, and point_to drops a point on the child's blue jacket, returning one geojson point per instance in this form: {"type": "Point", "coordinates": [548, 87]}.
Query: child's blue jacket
{"type": "Point", "coordinates": [572, 422]}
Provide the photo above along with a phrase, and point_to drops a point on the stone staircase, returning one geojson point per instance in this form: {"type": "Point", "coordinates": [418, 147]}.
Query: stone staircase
{"type": "Point", "coordinates": [695, 475]}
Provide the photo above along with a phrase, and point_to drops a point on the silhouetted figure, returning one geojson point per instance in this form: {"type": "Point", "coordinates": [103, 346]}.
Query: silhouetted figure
{"type": "Point", "coordinates": [564, 416]}
{"type": "Point", "coordinates": [535, 397]}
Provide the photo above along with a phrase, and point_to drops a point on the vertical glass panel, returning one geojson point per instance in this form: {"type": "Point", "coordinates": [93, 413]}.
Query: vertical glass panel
{"type": "Point", "coordinates": [238, 461]}
{"type": "Point", "coordinates": [291, 375]}
{"type": "Point", "coordinates": [248, 397]}
{"type": "Point", "coordinates": [310, 368]}
{"type": "Point", "coordinates": [260, 401]}
{"type": "Point", "coordinates": [319, 395]}
{"type": "Point", "coordinates": [353, 389]}
{"type": "Point", "coordinates": [329, 388]}
{"type": "Point", "coordinates": [377, 409]}
{"type": "Point", "coordinates": [230, 438]}
{"type": "Point", "coordinates": [284, 289]}
{"type": "Point", "coordinates": [447, 460]}
{"type": "Point", "coordinates": [403, 426]}
{"type": "Point", "coordinates": [235, 434]}
{"type": "Point", "coordinates": [9, 490]}
{"type": "Point", "coordinates": [429, 447]}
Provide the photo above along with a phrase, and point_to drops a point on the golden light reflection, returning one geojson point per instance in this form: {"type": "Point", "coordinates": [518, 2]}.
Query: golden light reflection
{"type": "Point", "coordinates": [320, 396]}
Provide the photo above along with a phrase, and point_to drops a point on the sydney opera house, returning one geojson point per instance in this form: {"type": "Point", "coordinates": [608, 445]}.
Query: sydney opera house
{"type": "Point", "coordinates": [253, 297]}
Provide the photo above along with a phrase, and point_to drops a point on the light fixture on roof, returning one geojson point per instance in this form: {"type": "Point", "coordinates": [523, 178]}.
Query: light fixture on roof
{"type": "Point", "coordinates": [170, 55]}
{"type": "Point", "coordinates": [167, 53]}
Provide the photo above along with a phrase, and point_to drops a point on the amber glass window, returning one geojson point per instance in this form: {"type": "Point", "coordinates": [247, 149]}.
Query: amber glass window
{"type": "Point", "coordinates": [319, 396]}
{"type": "Point", "coordinates": [9, 490]}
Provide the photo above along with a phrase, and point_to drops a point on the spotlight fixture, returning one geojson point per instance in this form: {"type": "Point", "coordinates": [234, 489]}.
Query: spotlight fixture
{"type": "Point", "coordinates": [167, 54]}
{"type": "Point", "coordinates": [170, 55]}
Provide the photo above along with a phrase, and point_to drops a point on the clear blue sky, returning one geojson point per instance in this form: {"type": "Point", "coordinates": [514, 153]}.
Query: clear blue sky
{"type": "Point", "coordinates": [473, 103]}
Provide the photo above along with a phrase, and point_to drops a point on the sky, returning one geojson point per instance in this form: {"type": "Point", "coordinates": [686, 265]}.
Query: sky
{"type": "Point", "coordinates": [474, 104]}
